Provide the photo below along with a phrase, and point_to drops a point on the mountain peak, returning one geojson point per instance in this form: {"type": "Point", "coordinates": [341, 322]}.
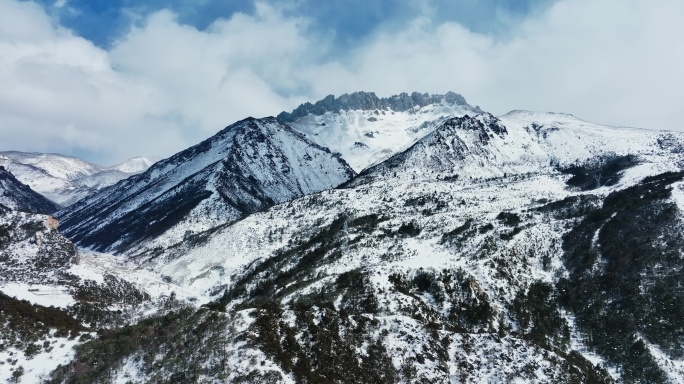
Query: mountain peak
{"type": "Point", "coordinates": [247, 167]}
{"type": "Point", "coordinates": [370, 101]}
{"type": "Point", "coordinates": [366, 129]}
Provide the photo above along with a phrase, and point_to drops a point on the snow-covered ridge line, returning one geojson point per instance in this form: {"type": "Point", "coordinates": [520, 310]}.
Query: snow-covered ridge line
{"type": "Point", "coordinates": [367, 130]}
{"type": "Point", "coordinates": [246, 167]}
{"type": "Point", "coordinates": [520, 142]}
{"type": "Point", "coordinates": [66, 179]}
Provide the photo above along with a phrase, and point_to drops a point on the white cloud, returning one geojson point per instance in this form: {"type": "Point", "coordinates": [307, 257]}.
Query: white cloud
{"type": "Point", "coordinates": [212, 78]}
{"type": "Point", "coordinates": [609, 61]}
{"type": "Point", "coordinates": [164, 86]}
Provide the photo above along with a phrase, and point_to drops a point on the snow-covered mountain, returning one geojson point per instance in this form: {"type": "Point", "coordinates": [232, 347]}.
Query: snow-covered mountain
{"type": "Point", "coordinates": [60, 166]}
{"type": "Point", "coordinates": [18, 196]}
{"type": "Point", "coordinates": [65, 179]}
{"type": "Point", "coordinates": [51, 297]}
{"type": "Point", "coordinates": [247, 167]}
{"type": "Point", "coordinates": [530, 247]}
{"type": "Point", "coordinates": [367, 129]}
{"type": "Point", "coordinates": [460, 259]}
{"type": "Point", "coordinates": [522, 142]}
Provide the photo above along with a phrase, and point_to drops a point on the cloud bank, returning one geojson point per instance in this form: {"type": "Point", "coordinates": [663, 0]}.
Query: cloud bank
{"type": "Point", "coordinates": [165, 85]}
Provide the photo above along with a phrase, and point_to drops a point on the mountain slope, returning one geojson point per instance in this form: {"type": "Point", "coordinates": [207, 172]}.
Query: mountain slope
{"type": "Point", "coordinates": [65, 179]}
{"type": "Point", "coordinates": [528, 248]}
{"type": "Point", "coordinates": [49, 297]}
{"type": "Point", "coordinates": [367, 129]}
{"type": "Point", "coordinates": [60, 166]}
{"type": "Point", "coordinates": [247, 167]}
{"type": "Point", "coordinates": [18, 196]}
{"type": "Point", "coordinates": [523, 142]}
{"type": "Point", "coordinates": [477, 277]}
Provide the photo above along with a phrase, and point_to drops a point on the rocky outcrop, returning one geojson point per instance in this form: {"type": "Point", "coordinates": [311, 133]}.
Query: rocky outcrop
{"type": "Point", "coordinates": [31, 249]}
{"type": "Point", "coordinates": [369, 101]}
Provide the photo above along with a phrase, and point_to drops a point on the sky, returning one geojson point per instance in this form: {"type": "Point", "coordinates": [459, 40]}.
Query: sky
{"type": "Point", "coordinates": [106, 80]}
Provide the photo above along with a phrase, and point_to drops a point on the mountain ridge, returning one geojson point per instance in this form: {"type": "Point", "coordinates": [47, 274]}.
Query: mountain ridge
{"type": "Point", "coordinates": [64, 179]}
{"type": "Point", "coordinates": [246, 167]}
{"type": "Point", "coordinates": [366, 129]}
{"type": "Point", "coordinates": [19, 196]}
{"type": "Point", "coordinates": [369, 101]}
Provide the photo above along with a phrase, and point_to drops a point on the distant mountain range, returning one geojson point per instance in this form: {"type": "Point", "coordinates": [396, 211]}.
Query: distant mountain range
{"type": "Point", "coordinates": [65, 179]}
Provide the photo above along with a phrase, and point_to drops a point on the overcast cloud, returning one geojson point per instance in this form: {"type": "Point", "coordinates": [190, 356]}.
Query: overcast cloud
{"type": "Point", "coordinates": [163, 84]}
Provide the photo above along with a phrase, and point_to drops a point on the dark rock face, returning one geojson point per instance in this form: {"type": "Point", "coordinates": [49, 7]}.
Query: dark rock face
{"type": "Point", "coordinates": [369, 101]}
{"type": "Point", "coordinates": [19, 196]}
{"type": "Point", "coordinates": [485, 126]}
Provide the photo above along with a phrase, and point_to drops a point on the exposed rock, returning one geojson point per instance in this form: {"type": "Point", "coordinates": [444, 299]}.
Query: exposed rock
{"type": "Point", "coordinates": [369, 101]}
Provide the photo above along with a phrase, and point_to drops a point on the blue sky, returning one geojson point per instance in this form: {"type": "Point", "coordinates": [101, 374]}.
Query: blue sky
{"type": "Point", "coordinates": [104, 21]}
{"type": "Point", "coordinates": [108, 80]}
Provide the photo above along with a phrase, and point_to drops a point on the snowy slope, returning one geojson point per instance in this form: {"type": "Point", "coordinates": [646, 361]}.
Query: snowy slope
{"type": "Point", "coordinates": [522, 142]}
{"type": "Point", "coordinates": [18, 196]}
{"type": "Point", "coordinates": [57, 189]}
{"type": "Point", "coordinates": [135, 164]}
{"type": "Point", "coordinates": [59, 166]}
{"type": "Point", "coordinates": [50, 296]}
{"type": "Point", "coordinates": [380, 251]}
{"type": "Point", "coordinates": [249, 166]}
{"type": "Point", "coordinates": [65, 179]}
{"type": "Point", "coordinates": [456, 260]}
{"type": "Point", "coordinates": [498, 228]}
{"type": "Point", "coordinates": [569, 140]}
{"type": "Point", "coordinates": [33, 252]}
{"type": "Point", "coordinates": [366, 129]}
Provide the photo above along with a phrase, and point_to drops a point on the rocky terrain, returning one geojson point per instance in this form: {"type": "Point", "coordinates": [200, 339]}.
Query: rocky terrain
{"type": "Point", "coordinates": [366, 129]}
